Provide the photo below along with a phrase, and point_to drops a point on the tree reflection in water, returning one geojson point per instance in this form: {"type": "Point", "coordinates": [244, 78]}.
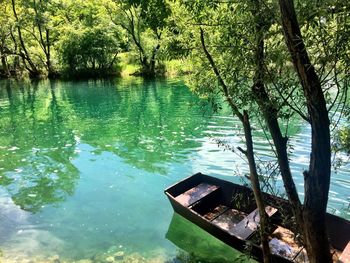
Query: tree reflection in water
{"type": "Point", "coordinates": [37, 147]}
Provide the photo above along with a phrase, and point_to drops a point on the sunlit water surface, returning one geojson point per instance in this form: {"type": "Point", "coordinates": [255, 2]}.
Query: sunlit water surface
{"type": "Point", "coordinates": [83, 166]}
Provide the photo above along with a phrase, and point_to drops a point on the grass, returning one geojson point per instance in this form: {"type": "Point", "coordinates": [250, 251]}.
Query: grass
{"type": "Point", "coordinates": [177, 68]}
{"type": "Point", "coordinates": [173, 68]}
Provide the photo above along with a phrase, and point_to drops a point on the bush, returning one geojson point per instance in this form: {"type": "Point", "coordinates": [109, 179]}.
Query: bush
{"type": "Point", "coordinates": [89, 53]}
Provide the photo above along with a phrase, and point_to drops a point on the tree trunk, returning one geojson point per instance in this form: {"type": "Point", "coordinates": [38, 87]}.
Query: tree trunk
{"type": "Point", "coordinates": [254, 178]}
{"type": "Point", "coordinates": [153, 60]}
{"type": "Point", "coordinates": [4, 66]}
{"type": "Point", "coordinates": [249, 153]}
{"type": "Point", "coordinates": [317, 179]}
{"type": "Point", "coordinates": [133, 30]}
{"type": "Point", "coordinates": [16, 63]}
{"type": "Point", "coordinates": [270, 113]}
{"type": "Point", "coordinates": [33, 71]}
{"type": "Point", "coordinates": [280, 142]}
{"type": "Point", "coordinates": [44, 42]}
{"type": "Point", "coordinates": [3, 54]}
{"type": "Point", "coordinates": [154, 54]}
{"type": "Point", "coordinates": [50, 69]}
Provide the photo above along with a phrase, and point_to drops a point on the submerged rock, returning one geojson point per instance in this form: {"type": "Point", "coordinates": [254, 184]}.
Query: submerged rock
{"type": "Point", "coordinates": [55, 259]}
{"type": "Point", "coordinates": [134, 258]}
{"type": "Point", "coordinates": [84, 261]}
{"type": "Point", "coordinates": [110, 259]}
{"type": "Point", "coordinates": [119, 255]}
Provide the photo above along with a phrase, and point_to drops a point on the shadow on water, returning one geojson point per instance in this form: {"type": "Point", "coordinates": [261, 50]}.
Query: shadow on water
{"type": "Point", "coordinates": [196, 245]}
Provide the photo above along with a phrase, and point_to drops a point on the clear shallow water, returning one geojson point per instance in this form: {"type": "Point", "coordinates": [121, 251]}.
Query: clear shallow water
{"type": "Point", "coordinates": [83, 166]}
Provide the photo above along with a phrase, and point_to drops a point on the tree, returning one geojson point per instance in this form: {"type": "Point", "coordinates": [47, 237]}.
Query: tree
{"type": "Point", "coordinates": [90, 43]}
{"type": "Point", "coordinates": [249, 153]}
{"type": "Point", "coordinates": [42, 19]}
{"type": "Point", "coordinates": [246, 46]}
{"type": "Point", "coordinates": [145, 22]}
{"type": "Point", "coordinates": [26, 57]}
{"type": "Point", "coordinates": [317, 178]}
{"type": "Point", "coordinates": [35, 30]}
{"type": "Point", "coordinates": [89, 52]}
{"type": "Point", "coordinates": [5, 30]}
{"type": "Point", "coordinates": [32, 21]}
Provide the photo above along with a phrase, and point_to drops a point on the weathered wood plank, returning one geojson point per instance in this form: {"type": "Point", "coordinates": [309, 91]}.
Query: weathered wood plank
{"type": "Point", "coordinates": [196, 193]}
{"type": "Point", "coordinates": [229, 219]}
{"type": "Point", "coordinates": [216, 212]}
{"type": "Point", "coordinates": [251, 223]}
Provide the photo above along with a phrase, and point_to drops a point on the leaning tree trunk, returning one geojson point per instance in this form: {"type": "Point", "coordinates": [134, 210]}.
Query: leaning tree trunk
{"type": "Point", "coordinates": [33, 71]}
{"type": "Point", "coordinates": [254, 178]}
{"type": "Point", "coordinates": [270, 112]}
{"type": "Point", "coordinates": [52, 72]}
{"type": "Point", "coordinates": [249, 153]}
{"type": "Point", "coordinates": [317, 178]}
{"type": "Point", "coordinates": [44, 42]}
{"type": "Point", "coordinates": [15, 64]}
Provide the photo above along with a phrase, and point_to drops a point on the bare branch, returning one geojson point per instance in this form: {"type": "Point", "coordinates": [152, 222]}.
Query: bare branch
{"type": "Point", "coordinates": [285, 99]}
{"type": "Point", "coordinates": [221, 81]}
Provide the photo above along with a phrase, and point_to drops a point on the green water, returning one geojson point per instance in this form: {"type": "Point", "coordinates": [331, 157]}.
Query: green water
{"type": "Point", "coordinates": [83, 166]}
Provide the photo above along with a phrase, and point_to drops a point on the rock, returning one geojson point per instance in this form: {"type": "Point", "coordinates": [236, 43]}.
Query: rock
{"type": "Point", "coordinates": [110, 259]}
{"type": "Point", "coordinates": [55, 259]}
{"type": "Point", "coordinates": [134, 258]}
{"type": "Point", "coordinates": [119, 255]}
{"type": "Point", "coordinates": [84, 261]}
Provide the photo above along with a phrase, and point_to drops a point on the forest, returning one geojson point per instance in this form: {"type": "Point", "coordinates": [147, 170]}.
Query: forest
{"type": "Point", "coordinates": [265, 59]}
{"type": "Point", "coordinates": [87, 38]}
{"type": "Point", "coordinates": [56, 38]}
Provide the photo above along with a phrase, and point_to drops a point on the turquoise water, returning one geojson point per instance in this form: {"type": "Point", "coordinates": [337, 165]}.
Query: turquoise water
{"type": "Point", "coordinates": [83, 166]}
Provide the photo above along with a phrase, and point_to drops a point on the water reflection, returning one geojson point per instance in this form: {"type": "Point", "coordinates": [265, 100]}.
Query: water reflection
{"type": "Point", "coordinates": [36, 147]}
{"type": "Point", "coordinates": [145, 124]}
{"type": "Point", "coordinates": [196, 245]}
{"type": "Point", "coordinates": [92, 147]}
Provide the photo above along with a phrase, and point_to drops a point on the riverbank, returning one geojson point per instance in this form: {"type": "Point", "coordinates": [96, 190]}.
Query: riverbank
{"type": "Point", "coordinates": [125, 68]}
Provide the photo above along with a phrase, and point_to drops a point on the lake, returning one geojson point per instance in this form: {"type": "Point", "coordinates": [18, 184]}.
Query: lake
{"type": "Point", "coordinates": [83, 166]}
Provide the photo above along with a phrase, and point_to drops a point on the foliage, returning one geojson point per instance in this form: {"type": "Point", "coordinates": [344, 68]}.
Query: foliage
{"type": "Point", "coordinates": [44, 36]}
{"type": "Point", "coordinates": [90, 51]}
{"type": "Point", "coordinates": [238, 51]}
{"type": "Point", "coordinates": [342, 141]}
{"type": "Point", "coordinates": [145, 23]}
{"type": "Point", "coordinates": [6, 43]}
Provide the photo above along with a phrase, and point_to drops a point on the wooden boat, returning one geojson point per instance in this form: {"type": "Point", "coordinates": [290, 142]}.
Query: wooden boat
{"type": "Point", "coordinates": [228, 212]}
